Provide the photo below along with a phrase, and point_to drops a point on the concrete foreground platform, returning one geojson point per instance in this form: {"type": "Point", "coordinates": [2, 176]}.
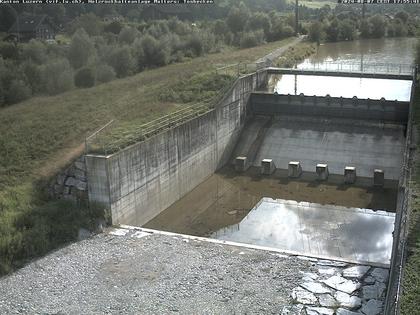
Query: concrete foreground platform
{"type": "Point", "coordinates": [332, 232]}
{"type": "Point", "coordinates": [137, 271]}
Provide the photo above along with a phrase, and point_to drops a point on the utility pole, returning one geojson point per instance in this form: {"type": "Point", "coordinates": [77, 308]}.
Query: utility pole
{"type": "Point", "coordinates": [296, 17]}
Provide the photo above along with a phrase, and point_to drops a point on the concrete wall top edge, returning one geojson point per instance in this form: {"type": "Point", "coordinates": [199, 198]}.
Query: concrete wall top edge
{"type": "Point", "coordinates": [332, 98]}
{"type": "Point", "coordinates": [274, 70]}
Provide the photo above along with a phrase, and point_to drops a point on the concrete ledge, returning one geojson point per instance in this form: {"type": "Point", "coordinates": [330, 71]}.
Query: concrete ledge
{"type": "Point", "coordinates": [378, 177]}
{"type": "Point", "coordinates": [322, 171]}
{"type": "Point", "coordinates": [294, 169]}
{"type": "Point", "coordinates": [267, 167]}
{"type": "Point", "coordinates": [241, 164]}
{"type": "Point", "coordinates": [349, 175]}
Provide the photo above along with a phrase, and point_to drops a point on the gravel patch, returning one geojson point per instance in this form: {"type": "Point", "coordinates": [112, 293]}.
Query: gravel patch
{"type": "Point", "coordinates": [152, 274]}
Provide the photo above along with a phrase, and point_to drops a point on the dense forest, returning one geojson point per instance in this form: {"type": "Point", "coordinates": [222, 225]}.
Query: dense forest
{"type": "Point", "coordinates": [348, 25]}
{"type": "Point", "coordinates": [91, 51]}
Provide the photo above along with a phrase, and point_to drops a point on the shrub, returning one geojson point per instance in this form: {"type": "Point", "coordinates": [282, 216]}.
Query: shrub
{"type": "Point", "coordinates": [252, 39]}
{"type": "Point", "coordinates": [128, 35]}
{"type": "Point", "coordinates": [9, 50]}
{"type": "Point", "coordinates": [33, 74]}
{"type": "Point", "coordinates": [259, 20]}
{"type": "Point", "coordinates": [105, 73]}
{"type": "Point", "coordinates": [58, 76]}
{"type": "Point", "coordinates": [84, 78]}
{"type": "Point", "coordinates": [121, 60]}
{"type": "Point", "coordinates": [155, 53]}
{"type": "Point", "coordinates": [315, 32]}
{"type": "Point", "coordinates": [346, 30]}
{"type": "Point", "coordinates": [195, 45]}
{"type": "Point", "coordinates": [237, 18]}
{"type": "Point", "coordinates": [377, 23]}
{"type": "Point", "coordinates": [35, 51]}
{"type": "Point", "coordinates": [81, 49]}
{"type": "Point", "coordinates": [114, 27]}
{"type": "Point", "coordinates": [287, 31]}
{"type": "Point", "coordinates": [18, 91]}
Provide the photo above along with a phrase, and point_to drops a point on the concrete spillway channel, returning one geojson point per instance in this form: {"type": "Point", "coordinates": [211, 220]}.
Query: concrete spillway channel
{"type": "Point", "coordinates": [345, 204]}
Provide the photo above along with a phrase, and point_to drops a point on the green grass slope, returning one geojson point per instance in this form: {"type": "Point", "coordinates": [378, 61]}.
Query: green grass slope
{"type": "Point", "coordinates": [43, 134]}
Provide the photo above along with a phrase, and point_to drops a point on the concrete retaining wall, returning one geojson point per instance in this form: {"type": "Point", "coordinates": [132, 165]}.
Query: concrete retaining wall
{"type": "Point", "coordinates": [142, 180]}
{"type": "Point", "coordinates": [332, 107]}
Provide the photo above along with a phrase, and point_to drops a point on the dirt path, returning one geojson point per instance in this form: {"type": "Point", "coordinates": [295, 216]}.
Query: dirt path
{"type": "Point", "coordinates": [279, 51]}
{"type": "Point", "coordinates": [60, 160]}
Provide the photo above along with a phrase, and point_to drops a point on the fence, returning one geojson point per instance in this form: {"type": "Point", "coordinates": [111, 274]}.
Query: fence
{"type": "Point", "coordinates": [238, 69]}
{"type": "Point", "coordinates": [116, 135]}
{"type": "Point", "coordinates": [393, 298]}
{"type": "Point", "coordinates": [372, 68]}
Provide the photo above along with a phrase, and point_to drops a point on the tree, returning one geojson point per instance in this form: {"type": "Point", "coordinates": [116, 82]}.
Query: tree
{"type": "Point", "coordinates": [252, 39]}
{"type": "Point", "coordinates": [89, 22]}
{"type": "Point", "coordinates": [105, 73]}
{"type": "Point", "coordinates": [220, 28]}
{"type": "Point", "coordinates": [258, 21]}
{"type": "Point", "coordinates": [237, 18]}
{"type": "Point", "coordinates": [9, 50]}
{"type": "Point", "coordinates": [58, 76]}
{"type": "Point", "coordinates": [195, 45]}
{"type": "Point", "coordinates": [332, 31]}
{"type": "Point", "coordinates": [18, 91]}
{"type": "Point", "coordinates": [151, 52]}
{"type": "Point", "coordinates": [128, 35]}
{"type": "Point", "coordinates": [121, 60]}
{"type": "Point", "coordinates": [315, 31]}
{"type": "Point", "coordinates": [400, 30]}
{"type": "Point", "coordinates": [35, 51]}
{"type": "Point", "coordinates": [81, 49]}
{"type": "Point", "coordinates": [377, 26]}
{"type": "Point", "coordinates": [114, 27]}
{"type": "Point", "coordinates": [33, 74]}
{"type": "Point", "coordinates": [346, 30]}
{"type": "Point", "coordinates": [402, 16]}
{"type": "Point", "coordinates": [84, 78]}
{"type": "Point", "coordinates": [365, 29]}
{"type": "Point", "coordinates": [277, 27]}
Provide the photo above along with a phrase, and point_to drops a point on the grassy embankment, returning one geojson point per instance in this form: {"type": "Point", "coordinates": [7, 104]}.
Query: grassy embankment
{"type": "Point", "coordinates": [410, 298]}
{"type": "Point", "coordinates": [43, 134]}
{"type": "Point", "coordinates": [296, 54]}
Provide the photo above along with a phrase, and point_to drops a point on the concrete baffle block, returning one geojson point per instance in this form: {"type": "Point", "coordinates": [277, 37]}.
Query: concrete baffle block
{"type": "Point", "coordinates": [267, 167]}
{"type": "Point", "coordinates": [294, 169]}
{"type": "Point", "coordinates": [241, 164]}
{"type": "Point", "coordinates": [322, 171]}
{"type": "Point", "coordinates": [349, 175]}
{"type": "Point", "coordinates": [378, 177]}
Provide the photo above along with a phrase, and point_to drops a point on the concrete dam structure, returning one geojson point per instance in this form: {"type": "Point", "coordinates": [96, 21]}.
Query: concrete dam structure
{"type": "Point", "coordinates": [142, 180]}
{"type": "Point", "coordinates": [333, 166]}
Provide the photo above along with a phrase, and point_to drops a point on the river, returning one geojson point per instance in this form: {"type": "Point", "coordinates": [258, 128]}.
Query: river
{"type": "Point", "coordinates": [394, 56]}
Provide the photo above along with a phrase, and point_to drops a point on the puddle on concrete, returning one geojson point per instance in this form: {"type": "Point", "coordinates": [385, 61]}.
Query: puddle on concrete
{"type": "Point", "coordinates": [340, 86]}
{"type": "Point", "coordinates": [226, 197]}
{"type": "Point", "coordinates": [306, 228]}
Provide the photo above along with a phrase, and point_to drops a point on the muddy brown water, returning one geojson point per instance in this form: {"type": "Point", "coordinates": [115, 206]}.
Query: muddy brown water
{"type": "Point", "coordinates": [226, 197]}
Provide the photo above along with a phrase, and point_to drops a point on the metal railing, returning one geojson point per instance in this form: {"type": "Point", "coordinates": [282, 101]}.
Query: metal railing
{"type": "Point", "coordinates": [116, 135]}
{"type": "Point", "coordinates": [241, 68]}
{"type": "Point", "coordinates": [373, 68]}
{"type": "Point", "coordinates": [399, 251]}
